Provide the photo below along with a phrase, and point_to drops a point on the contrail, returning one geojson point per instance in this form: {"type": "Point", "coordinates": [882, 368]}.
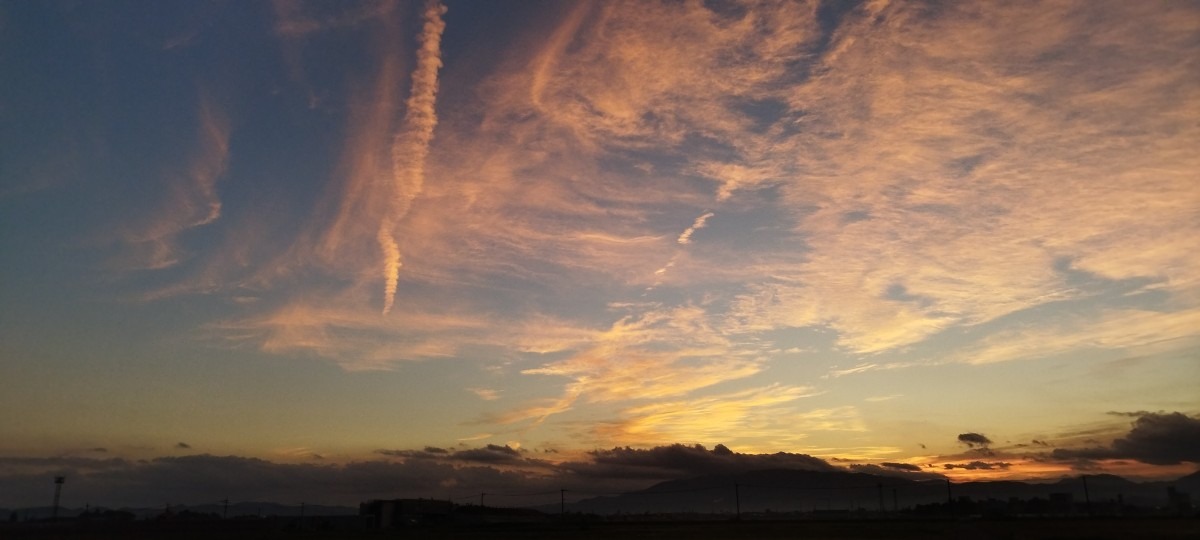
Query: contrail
{"type": "Point", "coordinates": [686, 237]}
{"type": "Point", "coordinates": [411, 144]}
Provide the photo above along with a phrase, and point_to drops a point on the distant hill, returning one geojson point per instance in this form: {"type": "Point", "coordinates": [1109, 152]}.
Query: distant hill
{"type": "Point", "coordinates": [263, 509]}
{"type": "Point", "coordinates": [775, 490]}
{"type": "Point", "coordinates": [787, 490]}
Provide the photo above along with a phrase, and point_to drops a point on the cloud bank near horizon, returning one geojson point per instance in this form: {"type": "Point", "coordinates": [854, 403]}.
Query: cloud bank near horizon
{"type": "Point", "coordinates": [464, 471]}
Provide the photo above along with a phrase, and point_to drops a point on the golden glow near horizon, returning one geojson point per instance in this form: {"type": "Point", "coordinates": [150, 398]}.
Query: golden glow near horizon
{"type": "Point", "coordinates": [850, 230]}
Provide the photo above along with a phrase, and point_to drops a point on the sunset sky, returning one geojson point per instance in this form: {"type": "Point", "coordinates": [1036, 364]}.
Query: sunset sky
{"type": "Point", "coordinates": [460, 245]}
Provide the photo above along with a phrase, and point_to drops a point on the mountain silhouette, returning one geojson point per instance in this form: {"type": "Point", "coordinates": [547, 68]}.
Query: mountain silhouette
{"type": "Point", "coordinates": [786, 490]}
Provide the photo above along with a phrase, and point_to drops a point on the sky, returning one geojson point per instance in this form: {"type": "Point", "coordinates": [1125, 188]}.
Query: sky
{"type": "Point", "coordinates": [418, 248]}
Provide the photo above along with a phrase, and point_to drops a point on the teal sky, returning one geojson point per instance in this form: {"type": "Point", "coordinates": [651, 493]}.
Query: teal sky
{"type": "Point", "coordinates": [306, 232]}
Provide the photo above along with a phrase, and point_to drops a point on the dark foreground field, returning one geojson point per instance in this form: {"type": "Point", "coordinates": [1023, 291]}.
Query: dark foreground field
{"type": "Point", "coordinates": [1040, 529]}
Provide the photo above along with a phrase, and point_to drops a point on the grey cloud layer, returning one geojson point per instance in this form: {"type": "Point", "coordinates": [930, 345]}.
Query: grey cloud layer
{"type": "Point", "coordinates": [1155, 438]}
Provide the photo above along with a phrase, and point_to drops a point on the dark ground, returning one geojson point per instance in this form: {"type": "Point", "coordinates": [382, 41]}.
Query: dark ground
{"type": "Point", "coordinates": [1031, 529]}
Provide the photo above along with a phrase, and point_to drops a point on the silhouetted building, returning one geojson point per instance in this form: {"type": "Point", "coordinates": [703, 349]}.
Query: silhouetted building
{"type": "Point", "coordinates": [389, 513]}
{"type": "Point", "coordinates": [1179, 503]}
{"type": "Point", "coordinates": [1062, 503]}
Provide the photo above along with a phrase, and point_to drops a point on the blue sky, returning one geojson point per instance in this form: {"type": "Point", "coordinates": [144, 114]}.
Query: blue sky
{"type": "Point", "coordinates": [296, 231]}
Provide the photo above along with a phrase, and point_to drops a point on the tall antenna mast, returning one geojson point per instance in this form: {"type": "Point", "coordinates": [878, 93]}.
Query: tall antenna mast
{"type": "Point", "coordinates": [58, 482]}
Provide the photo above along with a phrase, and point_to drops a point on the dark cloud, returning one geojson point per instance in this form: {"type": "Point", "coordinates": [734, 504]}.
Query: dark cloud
{"type": "Point", "coordinates": [1154, 438]}
{"type": "Point", "coordinates": [896, 470]}
{"type": "Point", "coordinates": [978, 465]}
{"type": "Point", "coordinates": [99, 450]}
{"type": "Point", "coordinates": [1040, 443]}
{"type": "Point", "coordinates": [183, 446]}
{"type": "Point", "coordinates": [1133, 414]}
{"type": "Point", "coordinates": [411, 454]}
{"type": "Point", "coordinates": [974, 439]}
{"type": "Point", "coordinates": [1086, 465]}
{"type": "Point", "coordinates": [677, 459]}
{"type": "Point", "coordinates": [59, 465]}
{"type": "Point", "coordinates": [491, 453]}
{"type": "Point", "coordinates": [204, 478]}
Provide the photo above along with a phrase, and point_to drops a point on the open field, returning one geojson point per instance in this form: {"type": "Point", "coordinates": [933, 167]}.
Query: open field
{"type": "Point", "coordinates": [1040, 529]}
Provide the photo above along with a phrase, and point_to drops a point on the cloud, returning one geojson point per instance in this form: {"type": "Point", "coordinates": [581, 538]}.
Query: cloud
{"type": "Point", "coordinates": [901, 466]}
{"type": "Point", "coordinates": [974, 440]}
{"type": "Point", "coordinates": [1154, 438]}
{"type": "Point", "coordinates": [686, 237]}
{"type": "Point", "coordinates": [42, 466]}
{"type": "Point", "coordinates": [683, 460]}
{"type": "Point", "coordinates": [767, 415]}
{"type": "Point", "coordinates": [486, 394]}
{"type": "Point", "coordinates": [897, 470]}
{"type": "Point", "coordinates": [337, 328]}
{"type": "Point", "coordinates": [655, 354]}
{"type": "Point", "coordinates": [877, 399]}
{"type": "Point", "coordinates": [1106, 330]}
{"type": "Point", "coordinates": [431, 472]}
{"type": "Point", "coordinates": [411, 145]}
{"type": "Point", "coordinates": [297, 18]}
{"type": "Point", "coordinates": [190, 199]}
{"type": "Point", "coordinates": [490, 454]}
{"type": "Point", "coordinates": [978, 465]}
{"type": "Point", "coordinates": [884, 180]}
{"type": "Point", "coordinates": [934, 151]}
{"type": "Point", "coordinates": [183, 446]}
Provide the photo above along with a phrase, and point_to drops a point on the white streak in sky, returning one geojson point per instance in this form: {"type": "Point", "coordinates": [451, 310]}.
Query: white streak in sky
{"type": "Point", "coordinates": [686, 237]}
{"type": "Point", "coordinates": [411, 145]}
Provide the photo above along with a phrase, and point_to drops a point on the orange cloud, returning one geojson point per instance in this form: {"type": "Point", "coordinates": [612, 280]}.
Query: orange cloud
{"type": "Point", "coordinates": [744, 417]}
{"type": "Point", "coordinates": [411, 144]}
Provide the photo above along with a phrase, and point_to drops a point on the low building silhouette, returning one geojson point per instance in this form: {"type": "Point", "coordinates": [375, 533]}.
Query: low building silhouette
{"type": "Point", "coordinates": [389, 513]}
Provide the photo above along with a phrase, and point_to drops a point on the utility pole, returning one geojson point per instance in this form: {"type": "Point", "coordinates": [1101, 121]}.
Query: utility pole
{"type": "Point", "coordinates": [895, 502]}
{"type": "Point", "coordinates": [949, 498]}
{"type": "Point", "coordinates": [481, 499]}
{"type": "Point", "coordinates": [1087, 498]}
{"type": "Point", "coordinates": [224, 508]}
{"type": "Point", "coordinates": [737, 499]}
{"type": "Point", "coordinates": [879, 487]}
{"type": "Point", "coordinates": [58, 482]}
{"type": "Point", "coordinates": [562, 502]}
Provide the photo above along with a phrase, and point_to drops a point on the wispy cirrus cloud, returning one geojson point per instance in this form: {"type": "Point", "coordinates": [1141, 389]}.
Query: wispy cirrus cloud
{"type": "Point", "coordinates": [890, 175]}
{"type": "Point", "coordinates": [1109, 330]}
{"type": "Point", "coordinates": [652, 355]}
{"type": "Point", "coordinates": [927, 202]}
{"type": "Point", "coordinates": [190, 200]}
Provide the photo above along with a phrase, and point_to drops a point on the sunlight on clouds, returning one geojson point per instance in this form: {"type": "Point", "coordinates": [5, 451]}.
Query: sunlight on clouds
{"type": "Point", "coordinates": [658, 354]}
{"type": "Point", "coordinates": [337, 329]}
{"type": "Point", "coordinates": [1109, 330]}
{"type": "Point", "coordinates": [750, 415]}
{"type": "Point", "coordinates": [411, 144]}
{"type": "Point", "coordinates": [686, 237]}
{"type": "Point", "coordinates": [486, 394]}
{"type": "Point", "coordinates": [949, 181]}
{"type": "Point", "coordinates": [885, 177]}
